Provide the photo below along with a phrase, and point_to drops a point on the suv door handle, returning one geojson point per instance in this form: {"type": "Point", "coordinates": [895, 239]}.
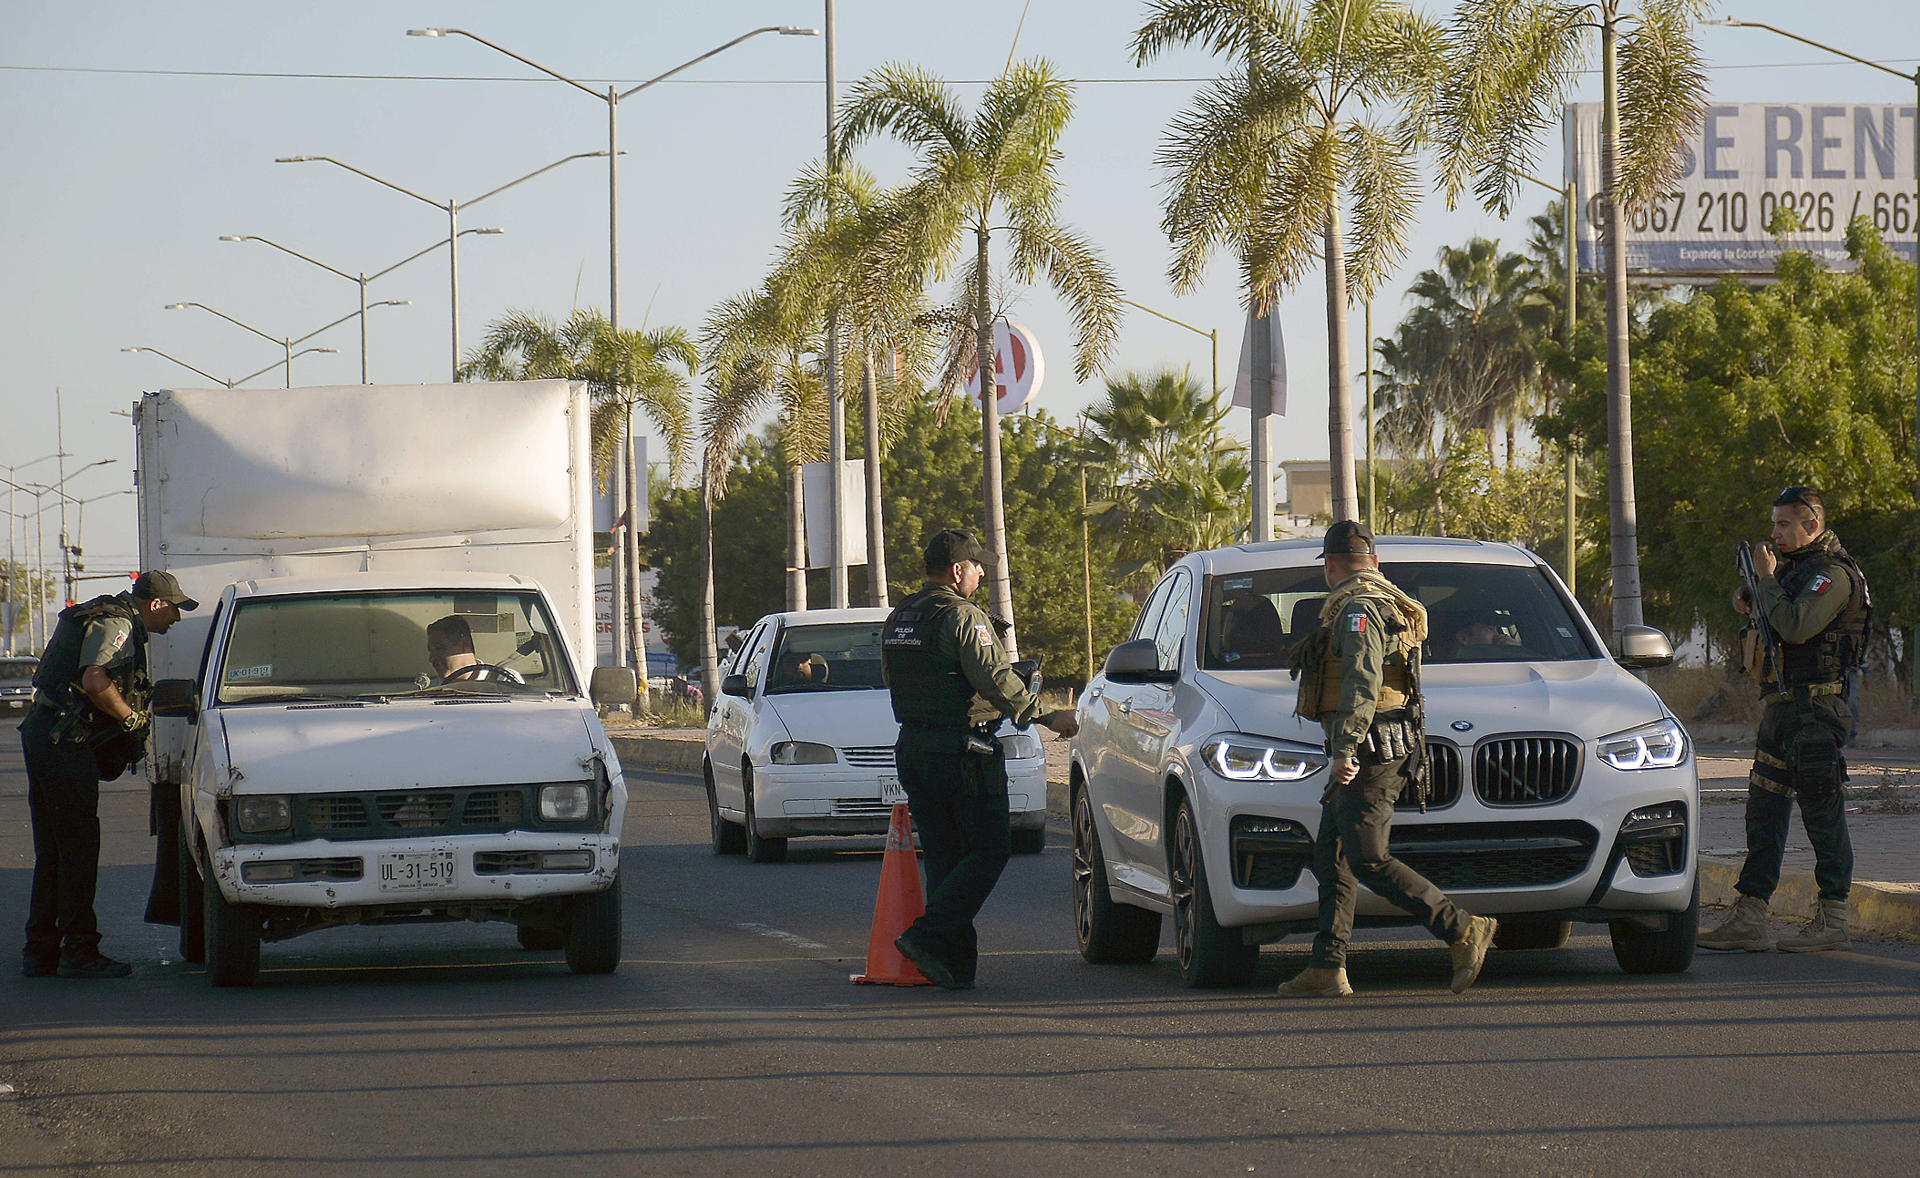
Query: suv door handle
{"type": "Point", "coordinates": [1096, 693]}
{"type": "Point", "coordinates": [1126, 707]}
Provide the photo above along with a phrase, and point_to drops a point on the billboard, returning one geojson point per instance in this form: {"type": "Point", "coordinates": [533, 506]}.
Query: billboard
{"type": "Point", "coordinates": [1829, 162]}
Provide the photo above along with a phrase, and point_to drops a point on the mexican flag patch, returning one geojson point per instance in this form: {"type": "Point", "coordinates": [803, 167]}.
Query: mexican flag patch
{"type": "Point", "coordinates": [1357, 623]}
{"type": "Point", "coordinates": [1821, 584]}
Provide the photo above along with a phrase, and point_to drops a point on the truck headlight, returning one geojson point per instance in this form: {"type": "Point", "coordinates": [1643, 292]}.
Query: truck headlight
{"type": "Point", "coordinates": [262, 815]}
{"type": "Point", "coordinates": [1238, 757]}
{"type": "Point", "coordinates": [1659, 745]}
{"type": "Point", "coordinates": [801, 752]}
{"type": "Point", "coordinates": [570, 802]}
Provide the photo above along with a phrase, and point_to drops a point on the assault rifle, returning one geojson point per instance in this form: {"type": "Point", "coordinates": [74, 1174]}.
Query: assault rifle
{"type": "Point", "coordinates": [1769, 643]}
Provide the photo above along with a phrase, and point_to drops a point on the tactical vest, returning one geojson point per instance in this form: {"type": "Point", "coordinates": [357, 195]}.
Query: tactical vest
{"type": "Point", "coordinates": [58, 678]}
{"type": "Point", "coordinates": [1395, 688]}
{"type": "Point", "coordinates": [927, 686]}
{"type": "Point", "coordinates": [1842, 646]}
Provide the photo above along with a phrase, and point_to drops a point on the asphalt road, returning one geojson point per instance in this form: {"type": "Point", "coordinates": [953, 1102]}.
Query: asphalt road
{"type": "Point", "coordinates": [730, 1041]}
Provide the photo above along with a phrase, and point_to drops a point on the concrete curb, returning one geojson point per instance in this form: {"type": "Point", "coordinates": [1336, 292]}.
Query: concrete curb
{"type": "Point", "coordinates": [1882, 909]}
{"type": "Point", "coordinates": [675, 753]}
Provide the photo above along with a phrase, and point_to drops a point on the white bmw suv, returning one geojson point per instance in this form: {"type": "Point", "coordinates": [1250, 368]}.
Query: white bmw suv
{"type": "Point", "coordinates": [1562, 790]}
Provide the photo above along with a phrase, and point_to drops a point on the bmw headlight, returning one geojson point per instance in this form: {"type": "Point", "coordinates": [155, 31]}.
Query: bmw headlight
{"type": "Point", "coordinates": [1659, 745]}
{"type": "Point", "coordinates": [801, 752]}
{"type": "Point", "coordinates": [262, 815]}
{"type": "Point", "coordinates": [1238, 757]}
{"type": "Point", "coordinates": [568, 802]}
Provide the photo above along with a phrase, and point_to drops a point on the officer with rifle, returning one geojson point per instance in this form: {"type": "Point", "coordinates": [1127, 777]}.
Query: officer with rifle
{"type": "Point", "coordinates": [88, 723]}
{"type": "Point", "coordinates": [1806, 640]}
{"type": "Point", "coordinates": [951, 684]}
{"type": "Point", "coordinates": [1360, 678]}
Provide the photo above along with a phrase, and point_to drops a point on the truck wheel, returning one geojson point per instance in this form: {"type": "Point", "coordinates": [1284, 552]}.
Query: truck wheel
{"type": "Point", "coordinates": [1109, 933]}
{"type": "Point", "coordinates": [1642, 950]}
{"type": "Point", "coordinates": [1030, 842]}
{"type": "Point", "coordinates": [539, 938]}
{"type": "Point", "coordinates": [1516, 933]}
{"type": "Point", "coordinates": [593, 931]}
{"type": "Point", "coordinates": [726, 837]}
{"type": "Point", "coordinates": [1210, 956]}
{"type": "Point", "coordinates": [193, 921]}
{"type": "Point", "coordinates": [232, 938]}
{"type": "Point", "coordinates": [759, 849]}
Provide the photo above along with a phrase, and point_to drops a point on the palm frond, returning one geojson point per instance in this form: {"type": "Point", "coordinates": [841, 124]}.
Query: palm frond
{"type": "Point", "coordinates": [1516, 60]}
{"type": "Point", "coordinates": [1384, 190]}
{"type": "Point", "coordinates": [1223, 28]}
{"type": "Point", "coordinates": [1082, 277]}
{"type": "Point", "coordinates": [909, 103]}
{"type": "Point", "coordinates": [1663, 92]}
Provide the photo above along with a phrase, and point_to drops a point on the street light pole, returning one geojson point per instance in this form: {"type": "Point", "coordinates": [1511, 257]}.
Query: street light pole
{"type": "Point", "coordinates": [13, 565]}
{"type": "Point", "coordinates": [1213, 335]}
{"type": "Point", "coordinates": [1567, 195]}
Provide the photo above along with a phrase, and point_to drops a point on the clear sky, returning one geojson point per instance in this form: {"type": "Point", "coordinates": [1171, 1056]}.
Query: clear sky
{"type": "Point", "coordinates": [136, 134]}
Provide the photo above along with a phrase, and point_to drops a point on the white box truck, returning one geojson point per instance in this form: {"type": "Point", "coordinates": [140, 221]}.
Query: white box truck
{"type": "Point", "coordinates": [379, 712]}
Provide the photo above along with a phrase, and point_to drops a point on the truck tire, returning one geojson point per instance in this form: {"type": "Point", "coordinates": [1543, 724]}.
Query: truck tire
{"type": "Point", "coordinates": [1210, 956]}
{"type": "Point", "coordinates": [193, 921]}
{"type": "Point", "coordinates": [232, 938]}
{"type": "Point", "coordinates": [593, 931]}
{"type": "Point", "coordinates": [759, 848]}
{"type": "Point", "coordinates": [1109, 933]}
{"type": "Point", "coordinates": [1642, 950]}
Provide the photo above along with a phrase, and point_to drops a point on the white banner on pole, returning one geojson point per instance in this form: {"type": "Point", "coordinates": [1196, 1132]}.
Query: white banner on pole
{"type": "Point", "coordinates": [1243, 380]}
{"type": "Point", "coordinates": [819, 511]}
{"type": "Point", "coordinates": [1828, 162]}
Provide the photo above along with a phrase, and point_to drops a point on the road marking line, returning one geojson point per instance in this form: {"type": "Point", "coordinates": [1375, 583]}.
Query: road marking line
{"type": "Point", "coordinates": [783, 936]}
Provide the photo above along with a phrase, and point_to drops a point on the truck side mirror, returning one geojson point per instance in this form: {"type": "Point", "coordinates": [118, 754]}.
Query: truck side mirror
{"type": "Point", "coordinates": [1138, 661]}
{"type": "Point", "coordinates": [1642, 647]}
{"type": "Point", "coordinates": [614, 687]}
{"type": "Point", "coordinates": [177, 699]}
{"type": "Point", "coordinates": [736, 685]}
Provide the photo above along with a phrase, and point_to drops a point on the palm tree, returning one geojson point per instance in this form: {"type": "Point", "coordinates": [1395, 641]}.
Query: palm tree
{"type": "Point", "coordinates": [1516, 61]}
{"type": "Point", "coordinates": [624, 371]}
{"type": "Point", "coordinates": [1005, 158]}
{"type": "Point", "coordinates": [1266, 160]}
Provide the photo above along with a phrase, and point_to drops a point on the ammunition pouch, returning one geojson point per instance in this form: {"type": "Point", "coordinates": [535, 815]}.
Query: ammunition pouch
{"type": "Point", "coordinates": [1815, 758]}
{"type": "Point", "coordinates": [1307, 665]}
{"type": "Point", "coordinates": [982, 744]}
{"type": "Point", "coordinates": [1753, 655]}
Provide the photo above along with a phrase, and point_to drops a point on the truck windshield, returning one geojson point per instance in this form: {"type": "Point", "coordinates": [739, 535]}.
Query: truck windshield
{"type": "Point", "coordinates": [392, 643]}
{"type": "Point", "coordinates": [1476, 613]}
{"type": "Point", "coordinates": [827, 658]}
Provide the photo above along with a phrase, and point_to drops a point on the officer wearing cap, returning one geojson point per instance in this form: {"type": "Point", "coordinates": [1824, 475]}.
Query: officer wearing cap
{"type": "Point", "coordinates": [89, 721]}
{"type": "Point", "coordinates": [951, 683]}
{"type": "Point", "coordinates": [1814, 598]}
{"type": "Point", "coordinates": [1361, 681]}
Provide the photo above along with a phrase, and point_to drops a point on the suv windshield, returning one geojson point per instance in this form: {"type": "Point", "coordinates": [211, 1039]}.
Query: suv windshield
{"type": "Point", "coordinates": [843, 657]}
{"type": "Point", "coordinates": [391, 643]}
{"type": "Point", "coordinates": [1476, 613]}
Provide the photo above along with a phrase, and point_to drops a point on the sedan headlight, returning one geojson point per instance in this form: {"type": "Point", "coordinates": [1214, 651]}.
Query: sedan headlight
{"type": "Point", "coordinates": [568, 802]}
{"type": "Point", "coordinates": [1021, 746]}
{"type": "Point", "coordinates": [1659, 745]}
{"type": "Point", "coordinates": [1238, 757]}
{"type": "Point", "coordinates": [262, 815]}
{"type": "Point", "coordinates": [801, 752]}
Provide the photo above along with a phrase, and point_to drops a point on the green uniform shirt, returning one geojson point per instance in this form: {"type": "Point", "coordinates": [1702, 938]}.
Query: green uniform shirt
{"type": "Point", "coordinates": [965, 634]}
{"type": "Point", "coordinates": [1358, 646]}
{"type": "Point", "coordinates": [105, 643]}
{"type": "Point", "coordinates": [1802, 616]}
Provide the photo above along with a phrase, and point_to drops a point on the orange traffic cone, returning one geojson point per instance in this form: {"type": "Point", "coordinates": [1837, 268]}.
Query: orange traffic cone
{"type": "Point", "coordinates": [900, 903]}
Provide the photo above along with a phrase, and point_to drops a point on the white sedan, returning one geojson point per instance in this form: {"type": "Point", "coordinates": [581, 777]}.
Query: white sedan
{"type": "Point", "coordinates": [800, 741]}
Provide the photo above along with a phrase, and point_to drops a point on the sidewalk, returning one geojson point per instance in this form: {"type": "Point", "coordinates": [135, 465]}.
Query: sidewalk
{"type": "Point", "coordinates": [1883, 820]}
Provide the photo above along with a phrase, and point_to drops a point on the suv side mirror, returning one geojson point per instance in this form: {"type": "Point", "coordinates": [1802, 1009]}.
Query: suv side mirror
{"type": "Point", "coordinates": [613, 687]}
{"type": "Point", "coordinates": [1138, 661]}
{"type": "Point", "coordinates": [176, 698]}
{"type": "Point", "coordinates": [736, 685]}
{"type": "Point", "coordinates": [1642, 647]}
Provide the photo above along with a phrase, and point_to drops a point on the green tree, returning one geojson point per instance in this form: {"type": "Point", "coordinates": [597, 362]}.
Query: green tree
{"type": "Point", "coordinates": [1515, 62]}
{"type": "Point", "coordinates": [1326, 110]}
{"type": "Point", "coordinates": [26, 590]}
{"type": "Point", "coordinates": [1168, 478]}
{"type": "Point", "coordinates": [748, 578]}
{"type": "Point", "coordinates": [996, 171]}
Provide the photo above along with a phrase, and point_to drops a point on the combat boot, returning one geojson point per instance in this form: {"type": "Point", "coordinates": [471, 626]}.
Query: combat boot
{"type": "Point", "coordinates": [1317, 982]}
{"type": "Point", "coordinates": [1744, 928]}
{"type": "Point", "coordinates": [1827, 930]}
{"type": "Point", "coordinates": [1470, 952]}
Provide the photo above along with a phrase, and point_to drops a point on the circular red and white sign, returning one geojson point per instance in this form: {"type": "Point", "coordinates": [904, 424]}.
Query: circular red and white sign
{"type": "Point", "coordinates": [1018, 368]}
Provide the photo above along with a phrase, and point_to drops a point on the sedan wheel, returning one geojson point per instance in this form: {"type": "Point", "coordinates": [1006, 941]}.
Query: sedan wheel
{"type": "Point", "coordinates": [726, 837]}
{"type": "Point", "coordinates": [759, 849]}
{"type": "Point", "coordinates": [1210, 956]}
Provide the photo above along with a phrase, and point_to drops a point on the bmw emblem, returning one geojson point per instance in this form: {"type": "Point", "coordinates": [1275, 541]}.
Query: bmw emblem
{"type": "Point", "coordinates": [1462, 726]}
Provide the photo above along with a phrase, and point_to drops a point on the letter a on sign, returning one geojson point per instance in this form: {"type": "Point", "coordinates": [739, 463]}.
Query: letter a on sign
{"type": "Point", "coordinates": [1018, 367]}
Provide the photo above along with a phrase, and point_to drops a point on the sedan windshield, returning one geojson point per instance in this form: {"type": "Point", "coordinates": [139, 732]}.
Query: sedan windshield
{"type": "Point", "coordinates": [392, 643]}
{"type": "Point", "coordinates": [843, 657]}
{"type": "Point", "coordinates": [1476, 613]}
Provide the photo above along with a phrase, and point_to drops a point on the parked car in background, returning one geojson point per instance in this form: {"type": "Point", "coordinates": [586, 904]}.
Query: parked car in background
{"type": "Point", "coordinates": [1562, 788]}
{"type": "Point", "coordinates": [16, 684]}
{"type": "Point", "coordinates": [800, 741]}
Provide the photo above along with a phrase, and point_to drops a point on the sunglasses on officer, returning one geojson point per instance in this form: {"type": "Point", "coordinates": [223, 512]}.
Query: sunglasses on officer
{"type": "Point", "coordinates": [1805, 497]}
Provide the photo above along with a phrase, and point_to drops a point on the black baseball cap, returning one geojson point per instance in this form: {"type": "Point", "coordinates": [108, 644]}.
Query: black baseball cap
{"type": "Point", "coordinates": [159, 585]}
{"type": "Point", "coordinates": [953, 545]}
{"type": "Point", "coordinates": [1348, 536]}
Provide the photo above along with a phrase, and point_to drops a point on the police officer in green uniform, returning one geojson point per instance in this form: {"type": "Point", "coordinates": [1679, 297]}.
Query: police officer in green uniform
{"type": "Point", "coordinates": [89, 721]}
{"type": "Point", "coordinates": [1362, 684]}
{"type": "Point", "coordinates": [951, 683]}
{"type": "Point", "coordinates": [1815, 599]}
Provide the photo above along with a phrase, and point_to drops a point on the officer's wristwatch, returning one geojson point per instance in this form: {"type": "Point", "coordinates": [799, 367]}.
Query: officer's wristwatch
{"type": "Point", "coordinates": [134, 722]}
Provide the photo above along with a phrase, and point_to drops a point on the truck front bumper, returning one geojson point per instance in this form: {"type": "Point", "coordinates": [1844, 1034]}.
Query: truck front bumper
{"type": "Point", "coordinates": [506, 867]}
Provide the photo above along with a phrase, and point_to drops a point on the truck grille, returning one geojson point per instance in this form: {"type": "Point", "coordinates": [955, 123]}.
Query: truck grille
{"type": "Point", "coordinates": [1525, 771]}
{"type": "Point", "coordinates": [1496, 854]}
{"type": "Point", "coordinates": [416, 811]}
{"type": "Point", "coordinates": [876, 756]}
{"type": "Point", "coordinates": [1443, 778]}
{"type": "Point", "coordinates": [407, 813]}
